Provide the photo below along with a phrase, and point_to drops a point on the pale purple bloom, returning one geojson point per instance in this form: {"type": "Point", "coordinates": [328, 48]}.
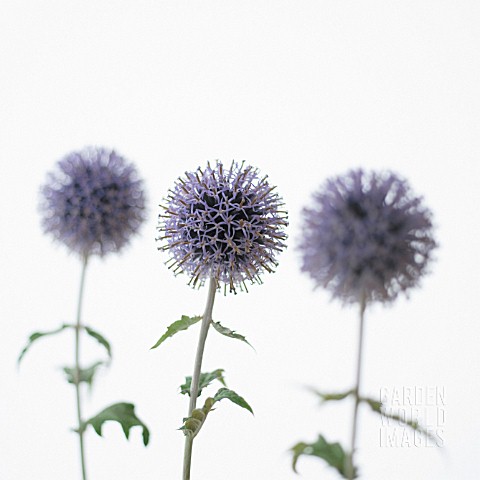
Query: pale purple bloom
{"type": "Point", "coordinates": [93, 202]}
{"type": "Point", "coordinates": [366, 235]}
{"type": "Point", "coordinates": [225, 223]}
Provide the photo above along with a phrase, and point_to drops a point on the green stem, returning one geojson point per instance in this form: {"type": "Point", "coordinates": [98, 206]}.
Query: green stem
{"type": "Point", "coordinates": [78, 328]}
{"type": "Point", "coordinates": [194, 387]}
{"type": "Point", "coordinates": [356, 391]}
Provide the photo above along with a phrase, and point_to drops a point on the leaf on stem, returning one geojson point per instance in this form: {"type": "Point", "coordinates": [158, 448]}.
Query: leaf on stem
{"type": "Point", "coordinates": [379, 407]}
{"type": "Point", "coordinates": [85, 374]}
{"type": "Point", "coordinates": [193, 424]}
{"type": "Point", "coordinates": [124, 414]}
{"type": "Point", "coordinates": [36, 335]}
{"type": "Point", "coordinates": [182, 324]}
{"type": "Point", "coordinates": [233, 397]}
{"type": "Point", "coordinates": [375, 405]}
{"type": "Point", "coordinates": [332, 453]}
{"type": "Point", "coordinates": [100, 339]}
{"type": "Point", "coordinates": [327, 397]}
{"type": "Point", "coordinates": [229, 333]}
{"type": "Point", "coordinates": [205, 379]}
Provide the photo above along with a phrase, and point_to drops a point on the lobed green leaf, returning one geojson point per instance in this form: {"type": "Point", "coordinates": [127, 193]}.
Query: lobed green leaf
{"type": "Point", "coordinates": [124, 414]}
{"type": "Point", "coordinates": [229, 333]}
{"type": "Point", "coordinates": [182, 324]}
{"type": "Point", "coordinates": [328, 397]}
{"type": "Point", "coordinates": [37, 335]}
{"type": "Point", "coordinates": [205, 380]}
{"type": "Point", "coordinates": [332, 453]}
{"type": "Point", "coordinates": [379, 408]}
{"type": "Point", "coordinates": [100, 339]}
{"type": "Point", "coordinates": [233, 397]}
{"type": "Point", "coordinates": [85, 374]}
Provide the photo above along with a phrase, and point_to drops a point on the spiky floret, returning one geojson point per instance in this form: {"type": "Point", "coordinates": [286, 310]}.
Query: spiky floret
{"type": "Point", "coordinates": [366, 235]}
{"type": "Point", "coordinates": [223, 222]}
{"type": "Point", "coordinates": [93, 202]}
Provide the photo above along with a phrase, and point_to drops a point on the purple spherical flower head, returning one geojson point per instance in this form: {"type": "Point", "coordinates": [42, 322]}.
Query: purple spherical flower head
{"type": "Point", "coordinates": [93, 202]}
{"type": "Point", "coordinates": [366, 236]}
{"type": "Point", "coordinates": [223, 223]}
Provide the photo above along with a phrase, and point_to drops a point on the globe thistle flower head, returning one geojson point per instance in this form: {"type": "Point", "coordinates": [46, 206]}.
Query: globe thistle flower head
{"type": "Point", "coordinates": [366, 237]}
{"type": "Point", "coordinates": [93, 202]}
{"type": "Point", "coordinates": [225, 223]}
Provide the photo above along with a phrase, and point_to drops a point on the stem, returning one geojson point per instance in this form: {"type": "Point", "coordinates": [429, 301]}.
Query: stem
{"type": "Point", "coordinates": [356, 391]}
{"type": "Point", "coordinates": [194, 387]}
{"type": "Point", "coordinates": [78, 327]}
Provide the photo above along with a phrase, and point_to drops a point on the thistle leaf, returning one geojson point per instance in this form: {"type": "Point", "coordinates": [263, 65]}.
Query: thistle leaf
{"type": "Point", "coordinates": [85, 374]}
{"type": "Point", "coordinates": [332, 453]}
{"type": "Point", "coordinates": [375, 405]}
{"type": "Point", "coordinates": [233, 397]}
{"type": "Point", "coordinates": [36, 335]}
{"type": "Point", "coordinates": [379, 407]}
{"type": "Point", "coordinates": [124, 414]}
{"type": "Point", "coordinates": [205, 379]}
{"type": "Point", "coordinates": [328, 397]}
{"type": "Point", "coordinates": [182, 324]}
{"type": "Point", "coordinates": [229, 333]}
{"type": "Point", "coordinates": [100, 339]}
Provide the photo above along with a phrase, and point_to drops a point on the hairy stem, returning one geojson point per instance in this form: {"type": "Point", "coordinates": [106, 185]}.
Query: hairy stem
{"type": "Point", "coordinates": [194, 387]}
{"type": "Point", "coordinates": [78, 327]}
{"type": "Point", "coordinates": [356, 391]}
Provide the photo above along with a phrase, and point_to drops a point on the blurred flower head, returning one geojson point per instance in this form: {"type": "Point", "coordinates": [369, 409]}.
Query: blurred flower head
{"type": "Point", "coordinates": [366, 236]}
{"type": "Point", "coordinates": [93, 202]}
{"type": "Point", "coordinates": [225, 223]}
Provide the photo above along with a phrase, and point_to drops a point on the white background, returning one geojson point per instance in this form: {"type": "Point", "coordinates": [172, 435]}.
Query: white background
{"type": "Point", "coordinates": [302, 90]}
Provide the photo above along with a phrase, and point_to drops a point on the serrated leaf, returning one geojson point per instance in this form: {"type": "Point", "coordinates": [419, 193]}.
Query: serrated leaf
{"type": "Point", "coordinates": [332, 453]}
{"type": "Point", "coordinates": [229, 333]}
{"type": "Point", "coordinates": [379, 407]}
{"type": "Point", "coordinates": [100, 339]}
{"type": "Point", "coordinates": [327, 397]}
{"type": "Point", "coordinates": [85, 374]}
{"type": "Point", "coordinates": [182, 324]}
{"type": "Point", "coordinates": [205, 380]}
{"type": "Point", "coordinates": [375, 405]}
{"type": "Point", "coordinates": [233, 397]}
{"type": "Point", "coordinates": [124, 414]}
{"type": "Point", "coordinates": [36, 335]}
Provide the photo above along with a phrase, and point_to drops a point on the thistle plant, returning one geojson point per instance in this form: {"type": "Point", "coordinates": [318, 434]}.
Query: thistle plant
{"type": "Point", "coordinates": [92, 203]}
{"type": "Point", "coordinates": [365, 238]}
{"type": "Point", "coordinates": [224, 225]}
